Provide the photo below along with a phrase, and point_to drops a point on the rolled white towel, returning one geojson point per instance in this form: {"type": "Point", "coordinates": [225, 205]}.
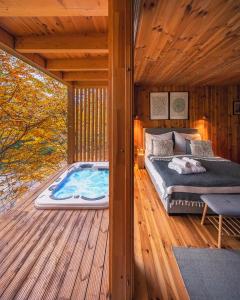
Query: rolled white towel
{"type": "Point", "coordinates": [198, 169]}
{"type": "Point", "coordinates": [179, 169]}
{"type": "Point", "coordinates": [180, 162]}
{"type": "Point", "coordinates": [186, 170]}
{"type": "Point", "coordinates": [193, 162]}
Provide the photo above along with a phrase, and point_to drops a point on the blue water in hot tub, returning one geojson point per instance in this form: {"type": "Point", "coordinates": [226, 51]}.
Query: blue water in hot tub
{"type": "Point", "coordinates": [89, 183]}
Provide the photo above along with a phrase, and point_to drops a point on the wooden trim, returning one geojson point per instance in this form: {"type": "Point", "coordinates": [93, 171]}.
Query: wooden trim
{"type": "Point", "coordinates": [78, 64]}
{"type": "Point", "coordinates": [71, 43]}
{"type": "Point", "coordinates": [86, 76]}
{"type": "Point", "coordinates": [46, 8]}
{"type": "Point", "coordinates": [121, 149]}
{"type": "Point", "coordinates": [71, 122]}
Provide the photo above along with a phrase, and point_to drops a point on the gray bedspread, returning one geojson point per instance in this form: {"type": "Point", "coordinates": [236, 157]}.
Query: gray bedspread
{"type": "Point", "coordinates": [181, 193]}
{"type": "Point", "coordinates": [220, 173]}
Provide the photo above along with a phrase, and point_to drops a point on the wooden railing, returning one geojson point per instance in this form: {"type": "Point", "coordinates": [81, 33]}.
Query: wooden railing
{"type": "Point", "coordinates": [90, 124]}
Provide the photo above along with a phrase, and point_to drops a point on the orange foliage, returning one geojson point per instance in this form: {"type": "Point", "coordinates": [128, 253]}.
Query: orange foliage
{"type": "Point", "coordinates": [33, 116]}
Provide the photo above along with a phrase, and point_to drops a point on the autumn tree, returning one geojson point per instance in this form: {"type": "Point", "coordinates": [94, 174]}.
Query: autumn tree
{"type": "Point", "coordinates": [32, 127]}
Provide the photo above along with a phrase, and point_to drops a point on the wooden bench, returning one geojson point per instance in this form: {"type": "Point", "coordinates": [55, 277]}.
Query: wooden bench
{"type": "Point", "coordinates": [227, 206]}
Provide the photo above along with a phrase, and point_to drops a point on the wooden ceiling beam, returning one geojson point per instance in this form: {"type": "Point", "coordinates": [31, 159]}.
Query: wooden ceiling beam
{"type": "Point", "coordinates": [86, 76]}
{"type": "Point", "coordinates": [7, 44]}
{"type": "Point", "coordinates": [46, 8]}
{"type": "Point", "coordinates": [78, 64]}
{"type": "Point", "coordinates": [90, 84]}
{"type": "Point", "coordinates": [6, 38]}
{"type": "Point", "coordinates": [71, 43]}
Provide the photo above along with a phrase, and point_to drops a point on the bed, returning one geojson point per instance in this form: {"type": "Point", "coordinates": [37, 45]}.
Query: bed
{"type": "Point", "coordinates": [181, 193]}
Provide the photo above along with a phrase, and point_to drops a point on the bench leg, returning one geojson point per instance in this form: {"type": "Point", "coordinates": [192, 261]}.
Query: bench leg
{"type": "Point", "coordinates": [204, 214]}
{"type": "Point", "coordinates": [220, 231]}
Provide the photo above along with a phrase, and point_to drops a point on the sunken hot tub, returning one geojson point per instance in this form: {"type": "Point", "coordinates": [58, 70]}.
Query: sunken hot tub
{"type": "Point", "coordinates": [83, 185]}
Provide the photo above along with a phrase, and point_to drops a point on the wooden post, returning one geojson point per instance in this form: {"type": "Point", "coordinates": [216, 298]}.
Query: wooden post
{"type": "Point", "coordinates": [220, 231]}
{"type": "Point", "coordinates": [121, 149]}
{"type": "Point", "coordinates": [70, 122]}
{"type": "Point", "coordinates": [204, 213]}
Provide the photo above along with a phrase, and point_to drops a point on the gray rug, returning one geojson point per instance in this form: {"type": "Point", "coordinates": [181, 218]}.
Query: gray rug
{"type": "Point", "coordinates": [210, 274]}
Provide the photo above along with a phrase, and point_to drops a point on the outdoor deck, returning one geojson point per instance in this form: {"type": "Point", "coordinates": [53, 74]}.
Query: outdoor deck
{"type": "Point", "coordinates": [156, 272]}
{"type": "Point", "coordinates": [53, 254]}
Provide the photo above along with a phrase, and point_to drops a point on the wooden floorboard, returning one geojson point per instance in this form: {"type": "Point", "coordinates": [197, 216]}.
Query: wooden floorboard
{"type": "Point", "coordinates": [155, 233]}
{"type": "Point", "coordinates": [53, 254]}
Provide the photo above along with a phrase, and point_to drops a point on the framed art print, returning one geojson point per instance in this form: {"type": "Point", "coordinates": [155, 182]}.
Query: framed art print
{"type": "Point", "coordinates": [159, 105]}
{"type": "Point", "coordinates": [236, 107]}
{"type": "Point", "coordinates": [179, 105]}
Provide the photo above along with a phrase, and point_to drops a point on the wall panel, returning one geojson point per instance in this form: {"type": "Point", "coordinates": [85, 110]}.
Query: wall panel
{"type": "Point", "coordinates": [90, 124]}
{"type": "Point", "coordinates": [215, 102]}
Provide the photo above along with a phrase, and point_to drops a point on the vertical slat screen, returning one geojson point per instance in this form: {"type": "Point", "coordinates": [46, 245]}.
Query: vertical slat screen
{"type": "Point", "coordinates": [90, 128]}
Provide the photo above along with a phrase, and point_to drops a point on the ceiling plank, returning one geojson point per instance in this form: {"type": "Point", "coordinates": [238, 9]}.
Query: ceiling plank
{"type": "Point", "coordinates": [86, 76]}
{"type": "Point", "coordinates": [78, 64]}
{"type": "Point", "coordinates": [45, 8]}
{"type": "Point", "coordinates": [71, 43]}
{"type": "Point", "coordinates": [198, 45]}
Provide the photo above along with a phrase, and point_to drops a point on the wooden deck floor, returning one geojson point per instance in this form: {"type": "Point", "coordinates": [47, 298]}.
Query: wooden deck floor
{"type": "Point", "coordinates": [156, 272]}
{"type": "Point", "coordinates": [57, 254]}
{"type": "Point", "coordinates": [64, 254]}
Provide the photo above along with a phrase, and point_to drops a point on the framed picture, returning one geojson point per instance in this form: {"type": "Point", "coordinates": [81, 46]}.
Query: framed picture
{"type": "Point", "coordinates": [179, 105]}
{"type": "Point", "coordinates": [236, 107]}
{"type": "Point", "coordinates": [159, 106]}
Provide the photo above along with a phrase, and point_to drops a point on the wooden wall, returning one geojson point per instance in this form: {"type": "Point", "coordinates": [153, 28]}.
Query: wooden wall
{"type": "Point", "coordinates": [88, 133]}
{"type": "Point", "coordinates": [215, 102]}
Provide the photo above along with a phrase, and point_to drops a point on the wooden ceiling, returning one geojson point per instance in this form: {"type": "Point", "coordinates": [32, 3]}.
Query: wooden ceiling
{"type": "Point", "coordinates": [188, 42]}
{"type": "Point", "coordinates": [67, 38]}
{"type": "Point", "coordinates": [179, 42]}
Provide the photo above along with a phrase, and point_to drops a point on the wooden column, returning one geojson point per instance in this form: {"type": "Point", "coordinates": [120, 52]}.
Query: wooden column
{"type": "Point", "coordinates": [70, 122]}
{"type": "Point", "coordinates": [121, 149]}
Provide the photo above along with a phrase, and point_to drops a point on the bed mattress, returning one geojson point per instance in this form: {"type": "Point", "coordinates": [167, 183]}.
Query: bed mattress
{"type": "Point", "coordinates": [181, 193]}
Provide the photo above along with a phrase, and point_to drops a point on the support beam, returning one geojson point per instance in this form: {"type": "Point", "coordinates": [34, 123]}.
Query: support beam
{"type": "Point", "coordinates": [85, 76]}
{"type": "Point", "coordinates": [46, 8]}
{"type": "Point", "coordinates": [78, 64]}
{"type": "Point", "coordinates": [6, 38]}
{"type": "Point", "coordinates": [71, 43]}
{"type": "Point", "coordinates": [71, 122]}
{"type": "Point", "coordinates": [35, 60]}
{"type": "Point", "coordinates": [121, 149]}
{"type": "Point", "coordinates": [89, 84]}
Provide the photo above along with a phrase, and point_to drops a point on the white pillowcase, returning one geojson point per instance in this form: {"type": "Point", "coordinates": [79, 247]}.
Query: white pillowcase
{"type": "Point", "coordinates": [162, 147]}
{"type": "Point", "coordinates": [149, 138]}
{"type": "Point", "coordinates": [202, 148]}
{"type": "Point", "coordinates": [180, 142]}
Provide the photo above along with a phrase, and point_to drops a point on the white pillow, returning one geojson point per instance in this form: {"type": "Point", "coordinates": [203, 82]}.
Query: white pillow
{"type": "Point", "coordinates": [150, 137]}
{"type": "Point", "coordinates": [180, 141]}
{"type": "Point", "coordinates": [162, 147]}
{"type": "Point", "coordinates": [202, 148]}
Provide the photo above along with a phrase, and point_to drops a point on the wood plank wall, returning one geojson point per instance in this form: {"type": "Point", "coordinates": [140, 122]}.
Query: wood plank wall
{"type": "Point", "coordinates": [90, 124]}
{"type": "Point", "coordinates": [215, 102]}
